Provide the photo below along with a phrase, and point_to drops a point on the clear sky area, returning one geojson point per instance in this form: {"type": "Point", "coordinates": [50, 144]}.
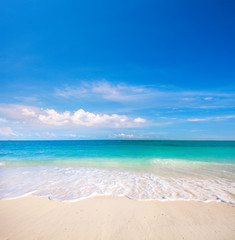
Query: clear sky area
{"type": "Point", "coordinates": [117, 69]}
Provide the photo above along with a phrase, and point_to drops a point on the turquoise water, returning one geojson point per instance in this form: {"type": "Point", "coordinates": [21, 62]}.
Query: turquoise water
{"type": "Point", "coordinates": [157, 170]}
{"type": "Point", "coordinates": [63, 152]}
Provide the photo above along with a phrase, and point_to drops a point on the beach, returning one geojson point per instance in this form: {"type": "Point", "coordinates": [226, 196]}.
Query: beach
{"type": "Point", "coordinates": [115, 218]}
{"type": "Point", "coordinates": [117, 190]}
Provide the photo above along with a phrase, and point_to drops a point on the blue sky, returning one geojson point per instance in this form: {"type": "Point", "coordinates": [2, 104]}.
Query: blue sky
{"type": "Point", "coordinates": [117, 69]}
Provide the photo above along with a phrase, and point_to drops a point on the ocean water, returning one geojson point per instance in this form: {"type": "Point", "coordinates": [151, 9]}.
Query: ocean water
{"type": "Point", "coordinates": [141, 170]}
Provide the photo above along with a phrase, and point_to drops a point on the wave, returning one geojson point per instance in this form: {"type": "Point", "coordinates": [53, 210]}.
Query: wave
{"type": "Point", "coordinates": [75, 183]}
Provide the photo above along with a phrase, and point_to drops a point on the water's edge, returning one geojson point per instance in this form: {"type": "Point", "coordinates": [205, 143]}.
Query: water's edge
{"type": "Point", "coordinates": [74, 183]}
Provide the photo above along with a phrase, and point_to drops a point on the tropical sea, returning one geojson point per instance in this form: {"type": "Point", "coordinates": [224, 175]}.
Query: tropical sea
{"type": "Point", "coordinates": [140, 170]}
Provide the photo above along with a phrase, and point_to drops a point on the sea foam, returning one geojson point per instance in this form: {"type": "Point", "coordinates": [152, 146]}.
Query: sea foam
{"type": "Point", "coordinates": [75, 183]}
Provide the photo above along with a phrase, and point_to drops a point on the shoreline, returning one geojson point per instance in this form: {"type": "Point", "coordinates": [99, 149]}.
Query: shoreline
{"type": "Point", "coordinates": [101, 217]}
{"type": "Point", "coordinates": [29, 195]}
{"type": "Point", "coordinates": [74, 183]}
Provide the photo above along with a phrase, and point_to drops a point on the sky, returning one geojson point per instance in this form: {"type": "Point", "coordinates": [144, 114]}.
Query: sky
{"type": "Point", "coordinates": [138, 69]}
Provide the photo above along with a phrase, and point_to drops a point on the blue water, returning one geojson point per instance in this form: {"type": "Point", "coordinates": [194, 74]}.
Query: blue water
{"type": "Point", "coordinates": [52, 152]}
{"type": "Point", "coordinates": [158, 170]}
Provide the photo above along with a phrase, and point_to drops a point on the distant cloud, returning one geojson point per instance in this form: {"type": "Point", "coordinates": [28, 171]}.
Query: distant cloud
{"type": "Point", "coordinates": [139, 120]}
{"type": "Point", "coordinates": [28, 114]}
{"type": "Point", "coordinates": [208, 98]}
{"type": "Point", "coordinates": [50, 134]}
{"type": "Point", "coordinates": [188, 99]}
{"type": "Point", "coordinates": [147, 96]}
{"type": "Point", "coordinates": [3, 120]}
{"type": "Point", "coordinates": [218, 118]}
{"type": "Point", "coordinates": [72, 135]}
{"type": "Point", "coordinates": [112, 92]}
{"type": "Point", "coordinates": [197, 119]}
{"type": "Point", "coordinates": [7, 131]}
{"type": "Point", "coordinates": [136, 136]}
{"type": "Point", "coordinates": [123, 135]}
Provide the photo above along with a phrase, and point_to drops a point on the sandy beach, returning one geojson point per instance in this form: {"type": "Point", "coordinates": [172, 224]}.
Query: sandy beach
{"type": "Point", "coordinates": [115, 218]}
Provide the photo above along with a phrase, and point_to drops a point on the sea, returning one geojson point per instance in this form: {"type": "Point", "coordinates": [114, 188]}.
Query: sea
{"type": "Point", "coordinates": [139, 170]}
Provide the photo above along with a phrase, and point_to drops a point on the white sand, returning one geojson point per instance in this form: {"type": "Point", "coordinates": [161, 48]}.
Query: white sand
{"type": "Point", "coordinates": [115, 218]}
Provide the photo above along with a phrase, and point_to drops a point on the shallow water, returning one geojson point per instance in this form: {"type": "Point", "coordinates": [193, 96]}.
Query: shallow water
{"type": "Point", "coordinates": [161, 170]}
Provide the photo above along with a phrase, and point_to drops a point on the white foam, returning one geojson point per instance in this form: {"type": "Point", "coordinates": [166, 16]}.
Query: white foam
{"type": "Point", "coordinates": [76, 183]}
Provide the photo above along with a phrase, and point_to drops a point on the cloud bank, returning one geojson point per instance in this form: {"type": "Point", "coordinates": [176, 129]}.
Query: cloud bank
{"type": "Point", "coordinates": [33, 115]}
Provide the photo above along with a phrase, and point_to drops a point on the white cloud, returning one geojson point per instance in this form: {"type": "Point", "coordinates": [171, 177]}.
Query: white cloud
{"type": "Point", "coordinates": [71, 135]}
{"type": "Point", "coordinates": [138, 136]}
{"type": "Point", "coordinates": [188, 99]}
{"type": "Point", "coordinates": [112, 92]}
{"type": "Point", "coordinates": [71, 92]}
{"type": "Point", "coordinates": [123, 135]}
{"type": "Point", "coordinates": [208, 98]}
{"type": "Point", "coordinates": [197, 119]}
{"type": "Point", "coordinates": [83, 118]}
{"type": "Point", "coordinates": [28, 112]}
{"type": "Point", "coordinates": [218, 118]}
{"type": "Point", "coordinates": [147, 96]}
{"type": "Point", "coordinates": [19, 112]}
{"type": "Point", "coordinates": [7, 131]}
{"type": "Point", "coordinates": [139, 120]}
{"type": "Point", "coordinates": [119, 92]}
{"type": "Point", "coordinates": [50, 134]}
{"type": "Point", "coordinates": [51, 117]}
{"type": "Point", "coordinates": [32, 115]}
{"type": "Point", "coordinates": [3, 120]}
